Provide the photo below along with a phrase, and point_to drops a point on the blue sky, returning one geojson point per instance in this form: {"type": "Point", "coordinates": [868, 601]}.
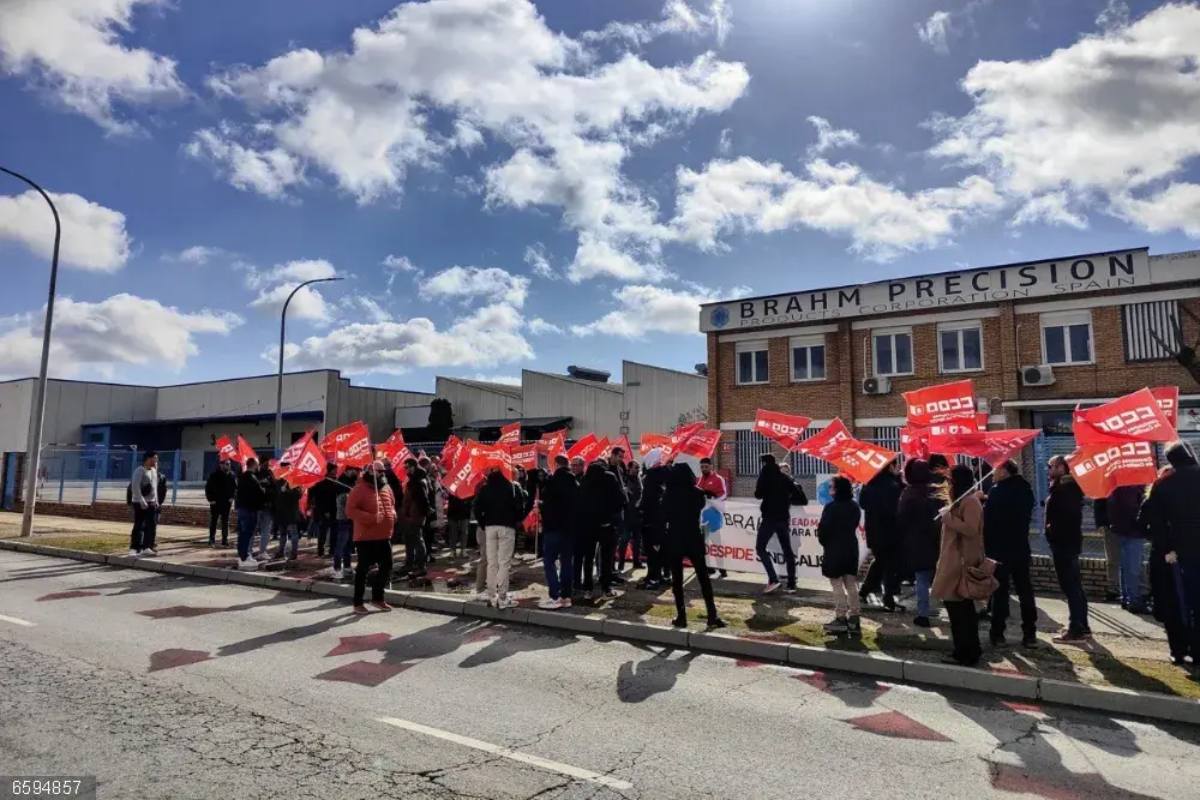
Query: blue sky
{"type": "Point", "coordinates": [504, 185]}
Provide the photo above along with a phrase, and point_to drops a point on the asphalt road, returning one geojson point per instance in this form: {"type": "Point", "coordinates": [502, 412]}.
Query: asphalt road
{"type": "Point", "coordinates": [166, 687]}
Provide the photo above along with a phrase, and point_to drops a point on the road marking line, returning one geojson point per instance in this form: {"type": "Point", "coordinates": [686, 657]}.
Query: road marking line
{"type": "Point", "coordinates": [16, 621]}
{"type": "Point", "coordinates": [504, 752]}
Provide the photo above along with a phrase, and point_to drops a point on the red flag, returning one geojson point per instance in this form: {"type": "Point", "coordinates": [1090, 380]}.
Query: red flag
{"type": "Point", "coordinates": [463, 475]}
{"type": "Point", "coordinates": [623, 443]}
{"type": "Point", "coordinates": [308, 469]}
{"type": "Point", "coordinates": [226, 450]}
{"type": "Point", "coordinates": [861, 461]}
{"type": "Point", "coordinates": [652, 440]}
{"type": "Point", "coordinates": [487, 456]}
{"type": "Point", "coordinates": [394, 449]}
{"type": "Point", "coordinates": [783, 428]}
{"type": "Point", "coordinates": [1098, 469]}
{"type": "Point", "coordinates": [701, 444]}
{"type": "Point", "coordinates": [349, 446]}
{"type": "Point", "coordinates": [510, 435]}
{"type": "Point", "coordinates": [556, 447]}
{"type": "Point", "coordinates": [304, 502]}
{"type": "Point", "coordinates": [293, 452]}
{"type": "Point", "coordinates": [598, 449]}
{"type": "Point", "coordinates": [450, 451]}
{"type": "Point", "coordinates": [994, 447]}
{"type": "Point", "coordinates": [1135, 417]}
{"type": "Point", "coordinates": [582, 446]}
{"type": "Point", "coordinates": [1168, 401]}
{"type": "Point", "coordinates": [828, 443]}
{"type": "Point", "coordinates": [244, 451]}
{"type": "Point", "coordinates": [548, 440]}
{"type": "Point", "coordinates": [525, 456]}
{"type": "Point", "coordinates": [914, 442]}
{"type": "Point", "coordinates": [942, 403]}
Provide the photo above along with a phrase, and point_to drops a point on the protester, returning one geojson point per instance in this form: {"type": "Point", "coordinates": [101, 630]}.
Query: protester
{"type": "Point", "coordinates": [602, 503]}
{"type": "Point", "coordinates": [631, 535]}
{"type": "Point", "coordinates": [414, 509]}
{"type": "Point", "coordinates": [1165, 580]}
{"type": "Point", "coordinates": [458, 524]}
{"type": "Point", "coordinates": [939, 465]}
{"type": "Point", "coordinates": [880, 497]}
{"type": "Point", "coordinates": [653, 521]}
{"type": "Point", "coordinates": [1123, 506]}
{"type": "Point", "coordinates": [1112, 549]}
{"type": "Point", "coordinates": [287, 518]}
{"type": "Point", "coordinates": [916, 517]}
{"type": "Point", "coordinates": [393, 482]}
{"type": "Point", "coordinates": [961, 549]}
{"type": "Point", "coordinates": [682, 504]}
{"type": "Point", "coordinates": [371, 506]}
{"type": "Point", "coordinates": [143, 496]}
{"type": "Point", "coordinates": [249, 501]}
{"type": "Point", "coordinates": [1064, 534]}
{"type": "Point", "coordinates": [799, 498]}
{"type": "Point", "coordinates": [219, 491]}
{"type": "Point", "coordinates": [322, 503]}
{"type": "Point", "coordinates": [343, 545]}
{"type": "Point", "coordinates": [1006, 518]}
{"type": "Point", "coordinates": [775, 490]}
{"type": "Point", "coordinates": [428, 532]}
{"type": "Point", "coordinates": [560, 495]}
{"type": "Point", "coordinates": [1177, 513]}
{"type": "Point", "coordinates": [498, 511]}
{"type": "Point", "coordinates": [266, 515]}
{"type": "Point", "coordinates": [838, 534]}
{"type": "Point", "coordinates": [615, 464]}
{"type": "Point", "coordinates": [161, 494]}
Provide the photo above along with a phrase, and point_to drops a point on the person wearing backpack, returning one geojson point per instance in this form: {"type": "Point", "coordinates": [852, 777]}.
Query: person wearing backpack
{"type": "Point", "coordinates": [142, 494]}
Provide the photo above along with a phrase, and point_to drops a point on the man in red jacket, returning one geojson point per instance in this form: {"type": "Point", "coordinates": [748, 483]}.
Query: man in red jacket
{"type": "Point", "coordinates": [372, 507]}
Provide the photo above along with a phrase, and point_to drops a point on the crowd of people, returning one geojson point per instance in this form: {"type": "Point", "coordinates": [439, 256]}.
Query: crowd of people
{"type": "Point", "coordinates": [930, 525]}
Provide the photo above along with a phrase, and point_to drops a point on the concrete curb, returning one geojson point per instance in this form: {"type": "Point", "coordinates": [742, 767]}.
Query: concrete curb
{"type": "Point", "coordinates": [1064, 693]}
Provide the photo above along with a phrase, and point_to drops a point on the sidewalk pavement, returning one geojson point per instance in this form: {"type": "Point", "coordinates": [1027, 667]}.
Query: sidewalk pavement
{"type": "Point", "coordinates": [1129, 652]}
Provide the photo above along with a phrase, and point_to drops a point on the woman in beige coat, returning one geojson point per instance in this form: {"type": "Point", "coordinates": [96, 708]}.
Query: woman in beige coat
{"type": "Point", "coordinates": [961, 546]}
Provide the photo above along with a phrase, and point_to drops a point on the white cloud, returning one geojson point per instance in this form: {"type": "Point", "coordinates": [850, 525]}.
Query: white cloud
{"type": "Point", "coordinates": [72, 48]}
{"type": "Point", "coordinates": [197, 254]}
{"type": "Point", "coordinates": [1053, 209]}
{"type": "Point", "coordinates": [540, 327]}
{"type": "Point", "coordinates": [124, 330]}
{"type": "Point", "coordinates": [829, 137]}
{"type": "Point", "coordinates": [881, 220]}
{"type": "Point", "coordinates": [678, 17]}
{"type": "Point", "coordinates": [725, 141]}
{"type": "Point", "coordinates": [650, 309]}
{"type": "Point", "coordinates": [471, 282]}
{"type": "Point", "coordinates": [399, 263]}
{"type": "Point", "coordinates": [1176, 207]}
{"type": "Point", "coordinates": [367, 308]}
{"type": "Point", "coordinates": [487, 337]}
{"type": "Point", "coordinates": [93, 237]}
{"type": "Point", "coordinates": [942, 27]}
{"type": "Point", "coordinates": [276, 284]}
{"type": "Point", "coordinates": [1113, 16]}
{"type": "Point", "coordinates": [1106, 120]}
{"type": "Point", "coordinates": [268, 171]}
{"type": "Point", "coordinates": [535, 257]}
{"type": "Point", "coordinates": [433, 76]}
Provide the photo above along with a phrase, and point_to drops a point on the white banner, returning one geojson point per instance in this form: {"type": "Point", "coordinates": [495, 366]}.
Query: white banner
{"type": "Point", "coordinates": [731, 546]}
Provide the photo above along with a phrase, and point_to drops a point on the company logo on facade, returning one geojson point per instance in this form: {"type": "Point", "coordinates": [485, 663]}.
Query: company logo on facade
{"type": "Point", "coordinates": [719, 317]}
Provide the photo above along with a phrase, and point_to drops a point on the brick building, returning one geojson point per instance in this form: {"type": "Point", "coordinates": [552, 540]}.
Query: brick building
{"type": "Point", "coordinates": [1036, 337]}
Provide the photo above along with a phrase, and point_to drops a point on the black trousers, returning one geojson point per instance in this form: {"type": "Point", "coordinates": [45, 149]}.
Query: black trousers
{"type": "Point", "coordinates": [1014, 575]}
{"type": "Point", "coordinates": [145, 527]}
{"type": "Point", "coordinates": [429, 537]}
{"type": "Point", "coordinates": [415, 556]}
{"type": "Point", "coordinates": [693, 552]}
{"type": "Point", "coordinates": [326, 532]}
{"type": "Point", "coordinates": [1066, 566]}
{"type": "Point", "coordinates": [218, 511]}
{"type": "Point", "coordinates": [883, 577]}
{"type": "Point", "coordinates": [376, 553]}
{"type": "Point", "coordinates": [1166, 587]}
{"type": "Point", "coordinates": [964, 631]}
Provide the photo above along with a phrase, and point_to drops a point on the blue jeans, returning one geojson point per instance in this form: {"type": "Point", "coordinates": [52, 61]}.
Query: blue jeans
{"type": "Point", "coordinates": [924, 579]}
{"type": "Point", "coordinates": [342, 545]}
{"type": "Point", "coordinates": [1066, 565]}
{"type": "Point", "coordinates": [557, 546]}
{"type": "Point", "coordinates": [1131, 569]}
{"type": "Point", "coordinates": [289, 533]}
{"type": "Point", "coordinates": [266, 521]}
{"type": "Point", "coordinates": [247, 521]}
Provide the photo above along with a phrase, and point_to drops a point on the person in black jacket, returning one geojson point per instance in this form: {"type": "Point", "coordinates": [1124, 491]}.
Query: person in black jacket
{"type": "Point", "coordinates": [251, 497]}
{"type": "Point", "coordinates": [559, 495]}
{"type": "Point", "coordinates": [650, 509]}
{"type": "Point", "coordinates": [322, 503]}
{"type": "Point", "coordinates": [602, 504]}
{"type": "Point", "coordinates": [1165, 583]}
{"type": "Point", "coordinates": [682, 503]}
{"type": "Point", "coordinates": [1177, 511]}
{"type": "Point", "coordinates": [287, 518]}
{"type": "Point", "coordinates": [838, 534]}
{"type": "Point", "coordinates": [1064, 533]}
{"type": "Point", "coordinates": [775, 490]}
{"type": "Point", "coordinates": [631, 531]}
{"type": "Point", "coordinates": [498, 510]}
{"type": "Point", "coordinates": [266, 515]}
{"type": "Point", "coordinates": [1006, 518]}
{"type": "Point", "coordinates": [920, 529]}
{"type": "Point", "coordinates": [879, 498]}
{"type": "Point", "coordinates": [410, 519]}
{"type": "Point", "coordinates": [458, 524]}
{"type": "Point", "coordinates": [219, 491]}
{"type": "Point", "coordinates": [1123, 506]}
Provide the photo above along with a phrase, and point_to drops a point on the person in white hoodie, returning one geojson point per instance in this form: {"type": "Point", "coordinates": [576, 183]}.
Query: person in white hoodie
{"type": "Point", "coordinates": [143, 496]}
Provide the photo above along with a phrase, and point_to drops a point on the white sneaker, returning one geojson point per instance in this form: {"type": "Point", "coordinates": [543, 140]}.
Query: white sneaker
{"type": "Point", "coordinates": [549, 604]}
{"type": "Point", "coordinates": [249, 565]}
{"type": "Point", "coordinates": [771, 588]}
{"type": "Point", "coordinates": [482, 597]}
{"type": "Point", "coordinates": [134, 553]}
{"type": "Point", "coordinates": [506, 602]}
{"type": "Point", "coordinates": [149, 551]}
{"type": "Point", "coordinates": [564, 602]}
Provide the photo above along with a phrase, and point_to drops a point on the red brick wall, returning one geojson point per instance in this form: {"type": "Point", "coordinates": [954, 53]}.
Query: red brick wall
{"type": "Point", "coordinates": [119, 512]}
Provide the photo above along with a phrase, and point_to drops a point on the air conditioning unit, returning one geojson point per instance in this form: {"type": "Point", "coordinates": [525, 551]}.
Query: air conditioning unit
{"type": "Point", "coordinates": [1037, 375]}
{"type": "Point", "coordinates": [876, 385]}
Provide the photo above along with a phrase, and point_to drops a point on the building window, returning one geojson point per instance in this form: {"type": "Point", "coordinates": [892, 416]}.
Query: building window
{"type": "Point", "coordinates": [960, 347]}
{"type": "Point", "coordinates": [893, 352]}
{"type": "Point", "coordinates": [808, 358]}
{"type": "Point", "coordinates": [751, 363]}
{"type": "Point", "coordinates": [748, 447]}
{"type": "Point", "coordinates": [1151, 330]}
{"type": "Point", "coordinates": [1067, 338]}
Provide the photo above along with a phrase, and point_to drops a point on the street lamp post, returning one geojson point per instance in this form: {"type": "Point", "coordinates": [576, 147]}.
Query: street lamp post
{"type": "Point", "coordinates": [279, 376]}
{"type": "Point", "coordinates": [38, 405]}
